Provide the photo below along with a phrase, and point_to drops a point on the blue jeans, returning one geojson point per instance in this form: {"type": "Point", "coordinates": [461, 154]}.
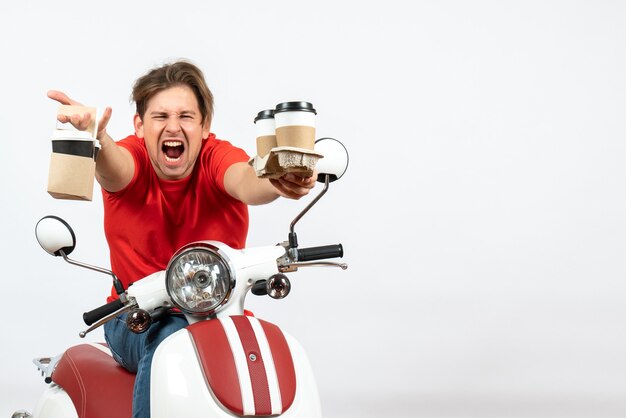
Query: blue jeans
{"type": "Point", "coordinates": [134, 352]}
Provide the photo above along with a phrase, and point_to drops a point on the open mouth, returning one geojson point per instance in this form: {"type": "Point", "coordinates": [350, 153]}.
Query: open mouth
{"type": "Point", "coordinates": [172, 150]}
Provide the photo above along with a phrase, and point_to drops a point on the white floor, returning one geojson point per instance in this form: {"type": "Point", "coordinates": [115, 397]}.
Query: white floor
{"type": "Point", "coordinates": [460, 407]}
{"type": "Point", "coordinates": [422, 406]}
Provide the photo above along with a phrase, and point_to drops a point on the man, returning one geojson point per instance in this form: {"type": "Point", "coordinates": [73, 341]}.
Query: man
{"type": "Point", "coordinates": [171, 183]}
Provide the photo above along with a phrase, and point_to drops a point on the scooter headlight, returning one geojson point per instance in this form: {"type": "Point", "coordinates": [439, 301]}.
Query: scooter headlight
{"type": "Point", "coordinates": [198, 279]}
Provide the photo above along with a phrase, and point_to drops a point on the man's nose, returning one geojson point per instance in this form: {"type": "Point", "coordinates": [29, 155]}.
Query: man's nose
{"type": "Point", "coordinates": [173, 124]}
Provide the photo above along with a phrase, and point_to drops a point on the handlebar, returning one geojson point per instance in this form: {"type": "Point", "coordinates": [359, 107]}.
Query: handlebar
{"type": "Point", "coordinates": [102, 311]}
{"type": "Point", "coordinates": [320, 253]}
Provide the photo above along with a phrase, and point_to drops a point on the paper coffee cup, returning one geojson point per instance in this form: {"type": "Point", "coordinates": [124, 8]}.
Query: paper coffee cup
{"type": "Point", "coordinates": [295, 125]}
{"type": "Point", "coordinates": [265, 132]}
{"type": "Point", "coordinates": [72, 165]}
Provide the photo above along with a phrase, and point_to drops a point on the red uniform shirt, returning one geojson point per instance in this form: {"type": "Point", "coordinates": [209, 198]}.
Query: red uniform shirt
{"type": "Point", "coordinates": [146, 222]}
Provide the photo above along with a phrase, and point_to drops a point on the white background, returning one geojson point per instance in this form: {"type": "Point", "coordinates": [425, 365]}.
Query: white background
{"type": "Point", "coordinates": [482, 215]}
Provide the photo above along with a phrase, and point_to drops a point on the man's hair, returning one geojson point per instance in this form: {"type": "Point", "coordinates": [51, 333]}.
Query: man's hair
{"type": "Point", "coordinates": [171, 75]}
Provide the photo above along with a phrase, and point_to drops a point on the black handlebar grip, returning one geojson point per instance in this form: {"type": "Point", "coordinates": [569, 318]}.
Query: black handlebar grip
{"type": "Point", "coordinates": [320, 253]}
{"type": "Point", "coordinates": [104, 310]}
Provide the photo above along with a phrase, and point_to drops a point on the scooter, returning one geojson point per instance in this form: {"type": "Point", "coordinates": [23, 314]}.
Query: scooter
{"type": "Point", "coordinates": [225, 363]}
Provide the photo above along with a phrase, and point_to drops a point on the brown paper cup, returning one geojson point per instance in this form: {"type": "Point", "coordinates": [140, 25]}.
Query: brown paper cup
{"type": "Point", "coordinates": [264, 144]}
{"type": "Point", "coordinates": [295, 125]}
{"type": "Point", "coordinates": [265, 132]}
{"type": "Point", "coordinates": [71, 177]}
{"type": "Point", "coordinates": [72, 165]}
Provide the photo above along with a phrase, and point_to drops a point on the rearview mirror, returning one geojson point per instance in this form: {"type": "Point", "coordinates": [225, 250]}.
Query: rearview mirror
{"type": "Point", "coordinates": [335, 161]}
{"type": "Point", "coordinates": [55, 235]}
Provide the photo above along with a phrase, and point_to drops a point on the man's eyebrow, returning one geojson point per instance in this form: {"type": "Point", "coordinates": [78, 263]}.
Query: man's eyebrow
{"type": "Point", "coordinates": [165, 113]}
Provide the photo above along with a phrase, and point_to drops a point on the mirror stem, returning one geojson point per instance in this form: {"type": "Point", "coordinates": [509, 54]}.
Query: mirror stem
{"type": "Point", "coordinates": [119, 288]}
{"type": "Point", "coordinates": [293, 241]}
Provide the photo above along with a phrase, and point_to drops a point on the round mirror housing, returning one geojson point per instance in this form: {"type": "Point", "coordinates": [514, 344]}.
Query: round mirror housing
{"type": "Point", "coordinates": [335, 161]}
{"type": "Point", "coordinates": [55, 235]}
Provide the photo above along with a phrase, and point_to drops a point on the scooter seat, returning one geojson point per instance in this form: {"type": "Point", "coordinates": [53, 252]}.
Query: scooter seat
{"type": "Point", "coordinates": [97, 385]}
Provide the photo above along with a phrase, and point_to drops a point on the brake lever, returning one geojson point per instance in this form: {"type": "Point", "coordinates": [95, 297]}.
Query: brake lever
{"type": "Point", "coordinates": [291, 267]}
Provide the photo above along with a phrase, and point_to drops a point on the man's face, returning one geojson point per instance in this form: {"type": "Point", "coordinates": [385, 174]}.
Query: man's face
{"type": "Point", "coordinates": [173, 131]}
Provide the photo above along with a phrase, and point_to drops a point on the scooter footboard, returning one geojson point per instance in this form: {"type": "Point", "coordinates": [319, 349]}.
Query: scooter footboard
{"type": "Point", "coordinates": [234, 366]}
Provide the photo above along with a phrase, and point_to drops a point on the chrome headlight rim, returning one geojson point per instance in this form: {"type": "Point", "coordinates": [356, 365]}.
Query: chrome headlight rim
{"type": "Point", "coordinates": [204, 246]}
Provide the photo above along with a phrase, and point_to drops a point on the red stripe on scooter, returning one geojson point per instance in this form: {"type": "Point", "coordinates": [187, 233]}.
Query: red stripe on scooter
{"type": "Point", "coordinates": [283, 362]}
{"type": "Point", "coordinates": [258, 375]}
{"type": "Point", "coordinates": [218, 363]}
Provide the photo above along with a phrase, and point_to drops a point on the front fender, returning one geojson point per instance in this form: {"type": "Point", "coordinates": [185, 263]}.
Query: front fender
{"type": "Point", "coordinates": [234, 365]}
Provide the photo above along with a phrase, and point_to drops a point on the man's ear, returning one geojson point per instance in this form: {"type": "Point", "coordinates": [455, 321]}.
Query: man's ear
{"type": "Point", "coordinates": [138, 125]}
{"type": "Point", "coordinates": [206, 129]}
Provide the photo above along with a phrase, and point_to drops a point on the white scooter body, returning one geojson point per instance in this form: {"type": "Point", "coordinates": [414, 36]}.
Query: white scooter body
{"type": "Point", "coordinates": [179, 387]}
{"type": "Point", "coordinates": [55, 402]}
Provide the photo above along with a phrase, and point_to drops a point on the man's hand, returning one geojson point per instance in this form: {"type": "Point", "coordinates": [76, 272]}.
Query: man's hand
{"type": "Point", "coordinates": [80, 122]}
{"type": "Point", "coordinates": [293, 186]}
